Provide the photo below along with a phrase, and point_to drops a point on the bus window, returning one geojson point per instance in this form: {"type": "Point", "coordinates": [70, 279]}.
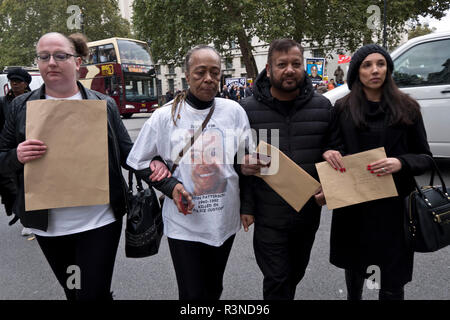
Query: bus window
{"type": "Point", "coordinates": [92, 55]}
{"type": "Point", "coordinates": [138, 88]}
{"type": "Point", "coordinates": [134, 52]}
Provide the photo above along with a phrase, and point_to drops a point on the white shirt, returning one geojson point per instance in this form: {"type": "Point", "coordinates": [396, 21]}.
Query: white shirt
{"type": "Point", "coordinates": [206, 170]}
{"type": "Point", "coordinates": [65, 221]}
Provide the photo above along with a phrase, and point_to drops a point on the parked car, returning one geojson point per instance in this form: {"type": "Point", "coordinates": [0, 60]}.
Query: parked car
{"type": "Point", "coordinates": [422, 70]}
{"type": "Point", "coordinates": [36, 81]}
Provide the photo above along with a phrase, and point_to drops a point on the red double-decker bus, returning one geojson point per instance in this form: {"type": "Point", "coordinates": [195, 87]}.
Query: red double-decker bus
{"type": "Point", "coordinates": [123, 69]}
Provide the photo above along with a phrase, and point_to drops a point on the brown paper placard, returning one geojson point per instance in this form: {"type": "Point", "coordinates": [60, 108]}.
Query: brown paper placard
{"type": "Point", "coordinates": [357, 184]}
{"type": "Point", "coordinates": [74, 170]}
{"type": "Point", "coordinates": [287, 178]}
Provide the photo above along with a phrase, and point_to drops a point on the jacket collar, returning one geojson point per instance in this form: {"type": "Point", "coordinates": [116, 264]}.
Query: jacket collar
{"type": "Point", "coordinates": [83, 91]}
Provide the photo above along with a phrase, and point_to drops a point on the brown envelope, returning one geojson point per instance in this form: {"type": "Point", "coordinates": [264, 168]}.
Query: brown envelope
{"type": "Point", "coordinates": [286, 178]}
{"type": "Point", "coordinates": [74, 170]}
{"type": "Point", "coordinates": [357, 184]}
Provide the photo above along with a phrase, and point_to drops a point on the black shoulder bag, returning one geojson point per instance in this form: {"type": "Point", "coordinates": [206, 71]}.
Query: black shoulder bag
{"type": "Point", "coordinates": [144, 228]}
{"type": "Point", "coordinates": [427, 218]}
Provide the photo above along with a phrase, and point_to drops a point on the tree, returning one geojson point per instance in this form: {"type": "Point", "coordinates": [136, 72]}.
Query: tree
{"type": "Point", "coordinates": [23, 22]}
{"type": "Point", "coordinates": [420, 30]}
{"type": "Point", "coordinates": [174, 26]}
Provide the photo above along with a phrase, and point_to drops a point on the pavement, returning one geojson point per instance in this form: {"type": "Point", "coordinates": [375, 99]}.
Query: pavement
{"type": "Point", "coordinates": [26, 275]}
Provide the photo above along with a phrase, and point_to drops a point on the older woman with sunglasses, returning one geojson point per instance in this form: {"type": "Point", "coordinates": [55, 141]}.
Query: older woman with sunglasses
{"type": "Point", "coordinates": [86, 237]}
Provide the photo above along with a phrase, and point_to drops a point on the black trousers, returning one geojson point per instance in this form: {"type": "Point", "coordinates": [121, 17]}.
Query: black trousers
{"type": "Point", "coordinates": [283, 255]}
{"type": "Point", "coordinates": [199, 268]}
{"type": "Point", "coordinates": [92, 252]}
{"type": "Point", "coordinates": [355, 283]}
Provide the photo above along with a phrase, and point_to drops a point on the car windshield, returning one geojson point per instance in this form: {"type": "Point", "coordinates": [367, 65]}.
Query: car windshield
{"type": "Point", "coordinates": [134, 52]}
{"type": "Point", "coordinates": [139, 88]}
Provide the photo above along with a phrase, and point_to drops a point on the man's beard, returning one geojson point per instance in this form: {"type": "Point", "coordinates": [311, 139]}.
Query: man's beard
{"type": "Point", "coordinates": [278, 83]}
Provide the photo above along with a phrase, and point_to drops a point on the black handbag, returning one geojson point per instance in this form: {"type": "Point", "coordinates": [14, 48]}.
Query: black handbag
{"type": "Point", "coordinates": [427, 218]}
{"type": "Point", "coordinates": [144, 227]}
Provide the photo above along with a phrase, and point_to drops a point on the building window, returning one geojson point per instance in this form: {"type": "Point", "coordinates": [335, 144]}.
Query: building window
{"type": "Point", "coordinates": [158, 69]}
{"type": "Point", "coordinates": [171, 69]}
{"type": "Point", "coordinates": [318, 53]}
{"type": "Point", "coordinates": [159, 87]}
{"type": "Point", "coordinates": [171, 85]}
{"type": "Point", "coordinates": [228, 63]}
{"type": "Point", "coordinates": [184, 84]}
{"type": "Point", "coordinates": [242, 63]}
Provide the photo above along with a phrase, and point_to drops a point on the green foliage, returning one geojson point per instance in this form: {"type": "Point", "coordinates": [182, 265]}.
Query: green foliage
{"type": "Point", "coordinates": [174, 26]}
{"type": "Point", "coordinates": [23, 22]}
{"type": "Point", "coordinates": [420, 30]}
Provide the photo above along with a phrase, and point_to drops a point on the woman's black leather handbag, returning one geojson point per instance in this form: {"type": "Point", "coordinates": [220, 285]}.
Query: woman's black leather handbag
{"type": "Point", "coordinates": [427, 219]}
{"type": "Point", "coordinates": [144, 227]}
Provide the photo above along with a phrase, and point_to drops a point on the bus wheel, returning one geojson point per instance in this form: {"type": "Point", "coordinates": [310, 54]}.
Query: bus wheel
{"type": "Point", "coordinates": [127, 115]}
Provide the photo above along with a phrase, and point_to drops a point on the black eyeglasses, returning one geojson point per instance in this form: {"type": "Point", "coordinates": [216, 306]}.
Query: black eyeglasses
{"type": "Point", "coordinates": [58, 56]}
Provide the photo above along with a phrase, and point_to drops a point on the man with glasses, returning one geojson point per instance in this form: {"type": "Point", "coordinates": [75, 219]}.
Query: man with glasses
{"type": "Point", "coordinates": [19, 80]}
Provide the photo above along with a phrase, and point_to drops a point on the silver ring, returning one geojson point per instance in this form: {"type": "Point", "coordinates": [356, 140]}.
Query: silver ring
{"type": "Point", "coordinates": [384, 170]}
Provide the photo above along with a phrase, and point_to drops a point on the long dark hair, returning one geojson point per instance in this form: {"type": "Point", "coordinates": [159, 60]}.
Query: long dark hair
{"type": "Point", "coordinates": [400, 107]}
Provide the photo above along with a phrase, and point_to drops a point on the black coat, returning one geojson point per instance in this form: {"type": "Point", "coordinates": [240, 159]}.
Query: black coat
{"type": "Point", "coordinates": [372, 233]}
{"type": "Point", "coordinates": [8, 189]}
{"type": "Point", "coordinates": [14, 133]}
{"type": "Point", "coordinates": [303, 132]}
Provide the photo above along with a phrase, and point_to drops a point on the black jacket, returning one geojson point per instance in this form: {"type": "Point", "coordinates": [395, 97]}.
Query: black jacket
{"type": "Point", "coordinates": [303, 131]}
{"type": "Point", "coordinates": [14, 133]}
{"type": "Point", "coordinates": [8, 189]}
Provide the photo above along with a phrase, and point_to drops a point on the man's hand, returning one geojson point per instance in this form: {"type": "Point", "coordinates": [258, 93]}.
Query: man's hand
{"type": "Point", "coordinates": [30, 150]}
{"type": "Point", "coordinates": [179, 190]}
{"type": "Point", "coordinates": [247, 220]}
{"type": "Point", "coordinates": [159, 171]}
{"type": "Point", "coordinates": [320, 197]}
{"type": "Point", "coordinates": [248, 169]}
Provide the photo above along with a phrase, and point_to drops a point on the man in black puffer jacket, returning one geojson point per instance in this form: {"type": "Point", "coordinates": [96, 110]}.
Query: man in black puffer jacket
{"type": "Point", "coordinates": [284, 99]}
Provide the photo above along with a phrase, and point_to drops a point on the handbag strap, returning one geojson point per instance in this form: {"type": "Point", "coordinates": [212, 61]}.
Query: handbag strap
{"type": "Point", "coordinates": [193, 138]}
{"type": "Point", "coordinates": [139, 186]}
{"type": "Point", "coordinates": [435, 169]}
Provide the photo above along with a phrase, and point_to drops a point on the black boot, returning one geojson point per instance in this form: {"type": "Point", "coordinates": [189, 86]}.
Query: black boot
{"type": "Point", "coordinates": [355, 283]}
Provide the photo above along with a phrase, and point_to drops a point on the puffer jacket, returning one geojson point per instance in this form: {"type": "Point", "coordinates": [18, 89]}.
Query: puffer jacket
{"type": "Point", "coordinates": [303, 132]}
{"type": "Point", "coordinates": [14, 133]}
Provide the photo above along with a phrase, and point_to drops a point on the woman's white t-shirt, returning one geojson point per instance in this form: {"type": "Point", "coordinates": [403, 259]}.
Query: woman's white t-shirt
{"type": "Point", "coordinates": [65, 221]}
{"type": "Point", "coordinates": [206, 170]}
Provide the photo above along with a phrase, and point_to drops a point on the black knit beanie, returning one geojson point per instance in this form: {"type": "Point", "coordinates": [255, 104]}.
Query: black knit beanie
{"type": "Point", "coordinates": [358, 58]}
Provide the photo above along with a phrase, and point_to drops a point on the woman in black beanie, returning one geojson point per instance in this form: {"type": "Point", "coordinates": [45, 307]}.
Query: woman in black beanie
{"type": "Point", "coordinates": [367, 239]}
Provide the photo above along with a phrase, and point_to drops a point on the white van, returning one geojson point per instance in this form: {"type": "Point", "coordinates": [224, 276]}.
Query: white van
{"type": "Point", "coordinates": [36, 81]}
{"type": "Point", "coordinates": [422, 70]}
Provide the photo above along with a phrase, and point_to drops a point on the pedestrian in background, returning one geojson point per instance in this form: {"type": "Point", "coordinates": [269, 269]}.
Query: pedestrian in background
{"type": "Point", "coordinates": [376, 114]}
{"type": "Point", "coordinates": [339, 74]}
{"type": "Point", "coordinates": [201, 232]}
{"type": "Point", "coordinates": [284, 100]}
{"type": "Point", "coordinates": [85, 236]}
{"type": "Point", "coordinates": [225, 93]}
{"type": "Point", "coordinates": [19, 80]}
{"type": "Point", "coordinates": [248, 90]}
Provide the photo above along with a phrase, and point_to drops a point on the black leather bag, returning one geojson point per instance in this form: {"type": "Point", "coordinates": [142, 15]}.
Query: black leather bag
{"type": "Point", "coordinates": [427, 218]}
{"type": "Point", "coordinates": [144, 227]}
